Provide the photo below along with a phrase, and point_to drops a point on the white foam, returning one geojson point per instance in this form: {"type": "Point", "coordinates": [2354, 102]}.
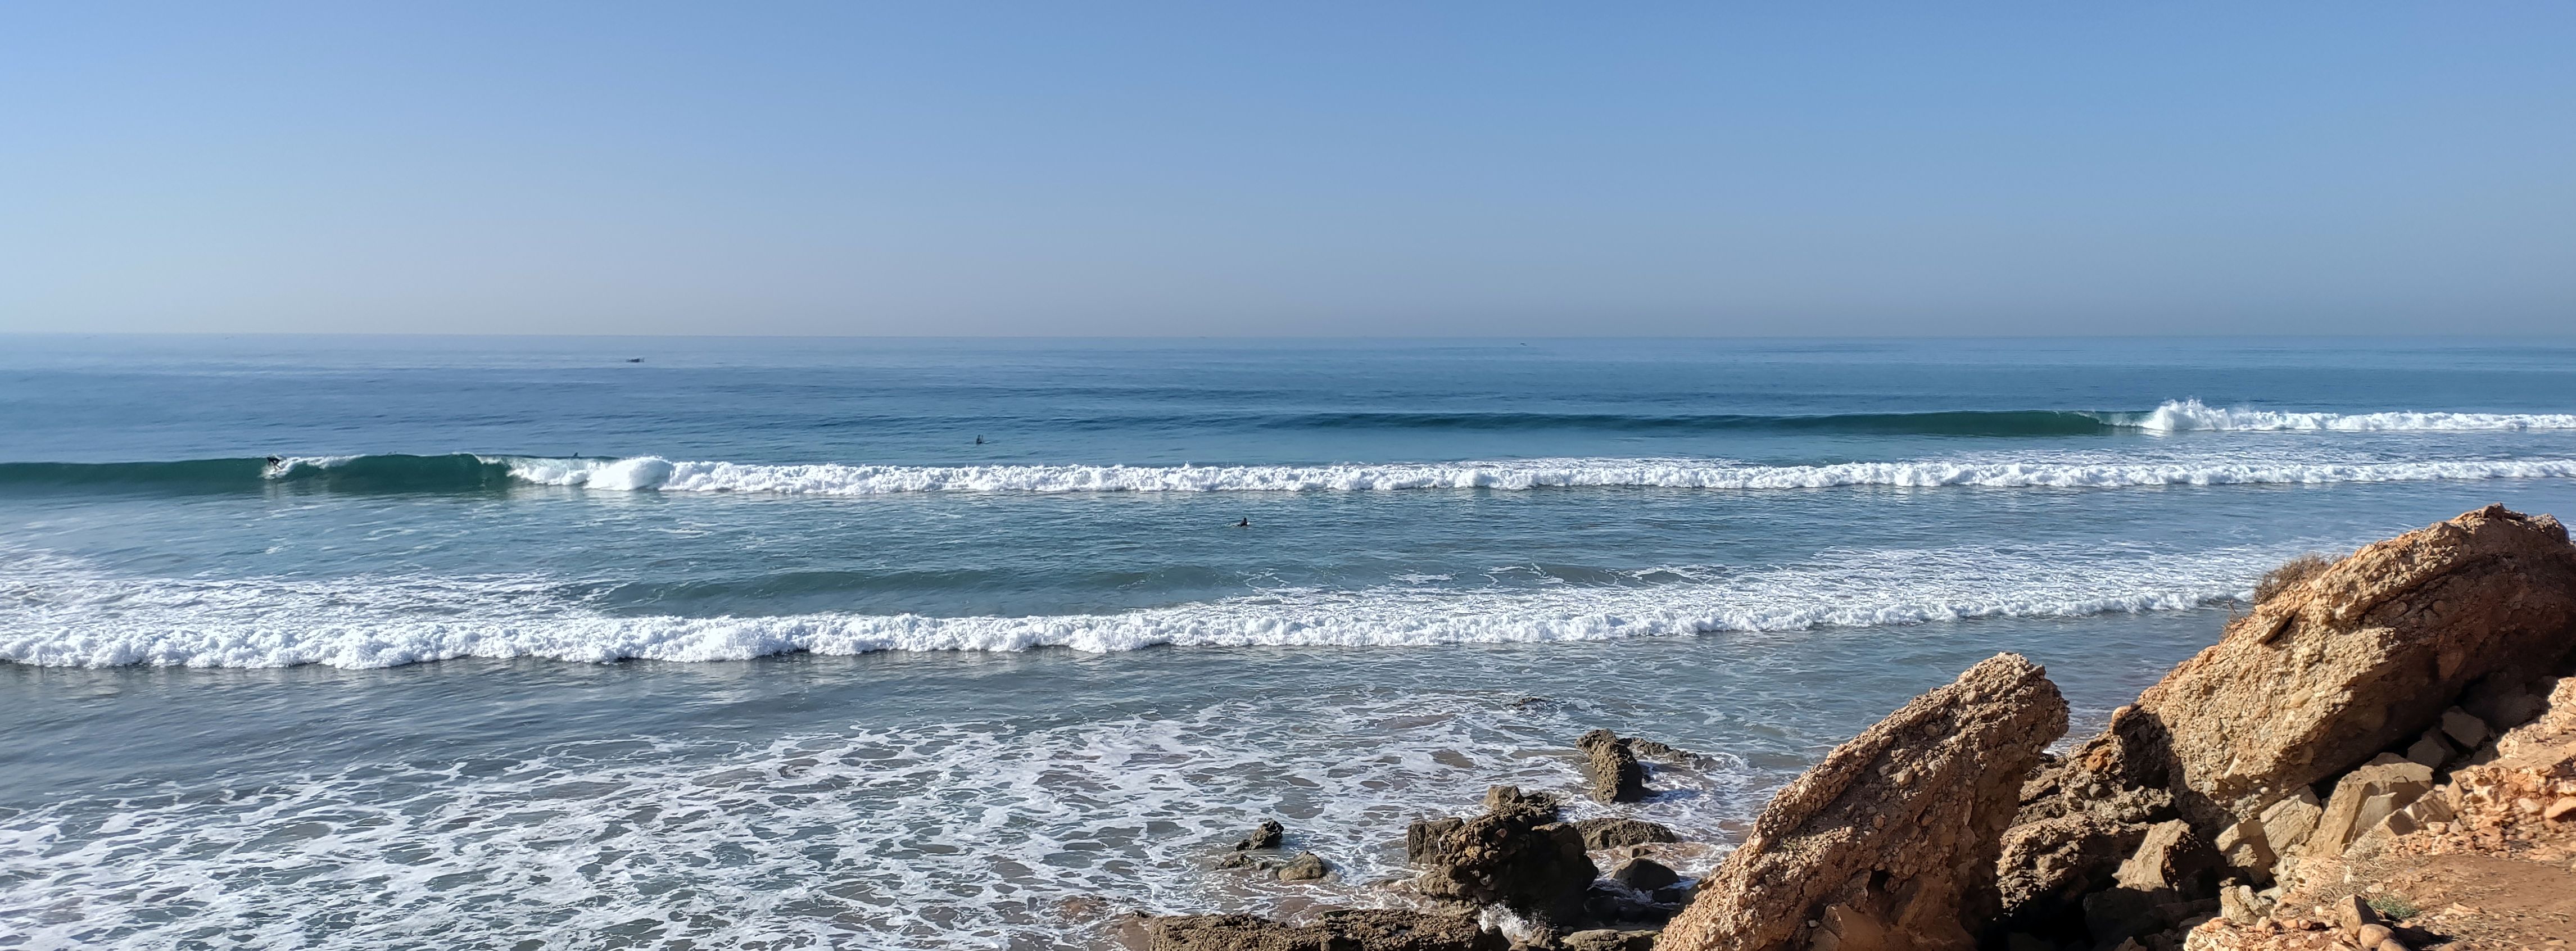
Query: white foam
{"type": "Point", "coordinates": [992, 832]}
{"type": "Point", "coordinates": [655, 473]}
{"type": "Point", "coordinates": [2192, 415]}
{"type": "Point", "coordinates": [61, 612]}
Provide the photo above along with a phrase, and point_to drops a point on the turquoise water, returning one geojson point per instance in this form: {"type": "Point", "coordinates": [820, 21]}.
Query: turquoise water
{"type": "Point", "coordinates": [752, 643]}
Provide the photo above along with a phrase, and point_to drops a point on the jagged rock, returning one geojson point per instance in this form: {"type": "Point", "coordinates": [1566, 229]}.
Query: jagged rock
{"type": "Point", "coordinates": [1266, 836]}
{"type": "Point", "coordinates": [2429, 750]}
{"type": "Point", "coordinates": [2171, 858]}
{"type": "Point", "coordinates": [1611, 768]}
{"type": "Point", "coordinates": [1348, 929]}
{"type": "Point", "coordinates": [1306, 867]}
{"type": "Point", "coordinates": [2464, 728]}
{"type": "Point", "coordinates": [2361, 655]}
{"type": "Point", "coordinates": [1645, 875]}
{"type": "Point", "coordinates": [2364, 798]}
{"type": "Point", "coordinates": [2244, 846]}
{"type": "Point", "coordinates": [1893, 838]}
{"type": "Point", "coordinates": [2054, 862]}
{"type": "Point", "coordinates": [2288, 824]}
{"type": "Point", "coordinates": [2239, 904]}
{"type": "Point", "coordinates": [1516, 854]}
{"type": "Point", "coordinates": [1616, 833]}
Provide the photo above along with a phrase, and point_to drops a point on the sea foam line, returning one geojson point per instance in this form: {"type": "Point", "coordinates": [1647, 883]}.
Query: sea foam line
{"type": "Point", "coordinates": [653, 473]}
{"type": "Point", "coordinates": [58, 612]}
{"type": "Point", "coordinates": [2193, 415]}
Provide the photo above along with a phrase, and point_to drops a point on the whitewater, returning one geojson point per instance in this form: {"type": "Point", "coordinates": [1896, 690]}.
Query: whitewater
{"type": "Point", "coordinates": [652, 473]}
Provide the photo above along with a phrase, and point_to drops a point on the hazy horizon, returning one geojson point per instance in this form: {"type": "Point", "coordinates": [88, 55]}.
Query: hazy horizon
{"type": "Point", "coordinates": [1337, 171]}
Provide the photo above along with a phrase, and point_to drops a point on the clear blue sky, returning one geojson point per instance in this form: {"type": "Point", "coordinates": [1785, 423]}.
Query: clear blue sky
{"type": "Point", "coordinates": [1309, 168]}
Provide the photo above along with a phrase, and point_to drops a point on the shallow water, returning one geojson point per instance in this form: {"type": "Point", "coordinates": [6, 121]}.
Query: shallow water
{"type": "Point", "coordinates": [883, 687]}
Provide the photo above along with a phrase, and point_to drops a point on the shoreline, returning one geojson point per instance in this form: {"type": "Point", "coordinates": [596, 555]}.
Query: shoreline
{"type": "Point", "coordinates": [2324, 743]}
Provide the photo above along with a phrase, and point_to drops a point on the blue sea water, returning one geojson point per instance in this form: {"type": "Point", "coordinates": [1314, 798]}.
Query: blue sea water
{"type": "Point", "coordinates": [943, 643]}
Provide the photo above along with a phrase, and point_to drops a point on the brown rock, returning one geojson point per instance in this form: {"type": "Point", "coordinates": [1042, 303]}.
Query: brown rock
{"type": "Point", "coordinates": [2172, 857]}
{"type": "Point", "coordinates": [2564, 810]}
{"type": "Point", "coordinates": [1516, 854]}
{"type": "Point", "coordinates": [1306, 867]}
{"type": "Point", "coordinates": [1265, 836]}
{"type": "Point", "coordinates": [2464, 729]}
{"type": "Point", "coordinates": [1348, 929]}
{"type": "Point", "coordinates": [1608, 939]}
{"type": "Point", "coordinates": [1645, 875]}
{"type": "Point", "coordinates": [2288, 824]}
{"type": "Point", "coordinates": [2363, 654]}
{"type": "Point", "coordinates": [1894, 836]}
{"type": "Point", "coordinates": [1614, 833]}
{"type": "Point", "coordinates": [2362, 799]}
{"type": "Point", "coordinates": [2049, 864]}
{"type": "Point", "coordinates": [1611, 767]}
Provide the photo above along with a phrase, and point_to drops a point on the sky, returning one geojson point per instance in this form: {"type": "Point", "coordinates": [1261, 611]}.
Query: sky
{"type": "Point", "coordinates": [1415, 169]}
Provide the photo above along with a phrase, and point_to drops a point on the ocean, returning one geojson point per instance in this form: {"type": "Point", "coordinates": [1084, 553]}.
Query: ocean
{"type": "Point", "coordinates": [779, 643]}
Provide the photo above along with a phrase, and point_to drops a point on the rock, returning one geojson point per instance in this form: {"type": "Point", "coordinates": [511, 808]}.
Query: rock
{"type": "Point", "coordinates": [1894, 837]}
{"type": "Point", "coordinates": [1267, 836]}
{"type": "Point", "coordinates": [1422, 838]}
{"type": "Point", "coordinates": [2350, 913]}
{"type": "Point", "coordinates": [2288, 823]}
{"type": "Point", "coordinates": [2362, 799]}
{"type": "Point", "coordinates": [2171, 858]}
{"type": "Point", "coordinates": [2430, 750]}
{"type": "Point", "coordinates": [1619, 833]}
{"type": "Point", "coordinates": [2244, 846]}
{"type": "Point", "coordinates": [2048, 865]}
{"type": "Point", "coordinates": [2563, 810]}
{"type": "Point", "coordinates": [1644, 875]}
{"type": "Point", "coordinates": [1516, 854]}
{"type": "Point", "coordinates": [2361, 655]}
{"type": "Point", "coordinates": [1348, 929]}
{"type": "Point", "coordinates": [1611, 768]}
{"type": "Point", "coordinates": [1608, 939]}
{"type": "Point", "coordinates": [2501, 702]}
{"type": "Point", "coordinates": [2371, 935]}
{"type": "Point", "coordinates": [2464, 729]}
{"type": "Point", "coordinates": [1306, 867]}
{"type": "Point", "coordinates": [2239, 904]}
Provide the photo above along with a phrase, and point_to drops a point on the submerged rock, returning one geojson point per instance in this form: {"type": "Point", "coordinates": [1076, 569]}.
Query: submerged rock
{"type": "Point", "coordinates": [1516, 854]}
{"type": "Point", "coordinates": [1348, 929]}
{"type": "Point", "coordinates": [1892, 840]}
{"type": "Point", "coordinates": [1306, 867]}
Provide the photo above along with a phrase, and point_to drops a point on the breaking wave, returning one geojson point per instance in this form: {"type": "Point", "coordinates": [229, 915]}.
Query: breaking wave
{"type": "Point", "coordinates": [58, 611]}
{"type": "Point", "coordinates": [654, 473]}
{"type": "Point", "coordinates": [2192, 415]}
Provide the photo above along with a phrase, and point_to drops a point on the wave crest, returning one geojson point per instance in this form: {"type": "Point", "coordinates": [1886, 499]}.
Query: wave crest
{"type": "Point", "coordinates": [2193, 415]}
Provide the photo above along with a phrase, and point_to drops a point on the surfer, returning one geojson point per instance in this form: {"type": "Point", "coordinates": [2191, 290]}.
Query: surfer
{"type": "Point", "coordinates": [274, 462]}
{"type": "Point", "coordinates": [1246, 523]}
{"type": "Point", "coordinates": [979, 440]}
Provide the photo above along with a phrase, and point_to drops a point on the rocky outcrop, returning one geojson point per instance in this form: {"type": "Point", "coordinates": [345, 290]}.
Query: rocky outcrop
{"type": "Point", "coordinates": [1891, 842]}
{"type": "Point", "coordinates": [1516, 854]}
{"type": "Point", "coordinates": [2363, 657]}
{"type": "Point", "coordinates": [1611, 769]}
{"type": "Point", "coordinates": [2319, 719]}
{"type": "Point", "coordinates": [1349, 929]}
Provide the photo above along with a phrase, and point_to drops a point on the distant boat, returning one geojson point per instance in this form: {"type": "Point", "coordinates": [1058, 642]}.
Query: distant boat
{"type": "Point", "coordinates": [634, 359]}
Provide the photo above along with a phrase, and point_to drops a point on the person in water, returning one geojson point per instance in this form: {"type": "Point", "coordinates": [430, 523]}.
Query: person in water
{"type": "Point", "coordinates": [1246, 523]}
{"type": "Point", "coordinates": [979, 440]}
